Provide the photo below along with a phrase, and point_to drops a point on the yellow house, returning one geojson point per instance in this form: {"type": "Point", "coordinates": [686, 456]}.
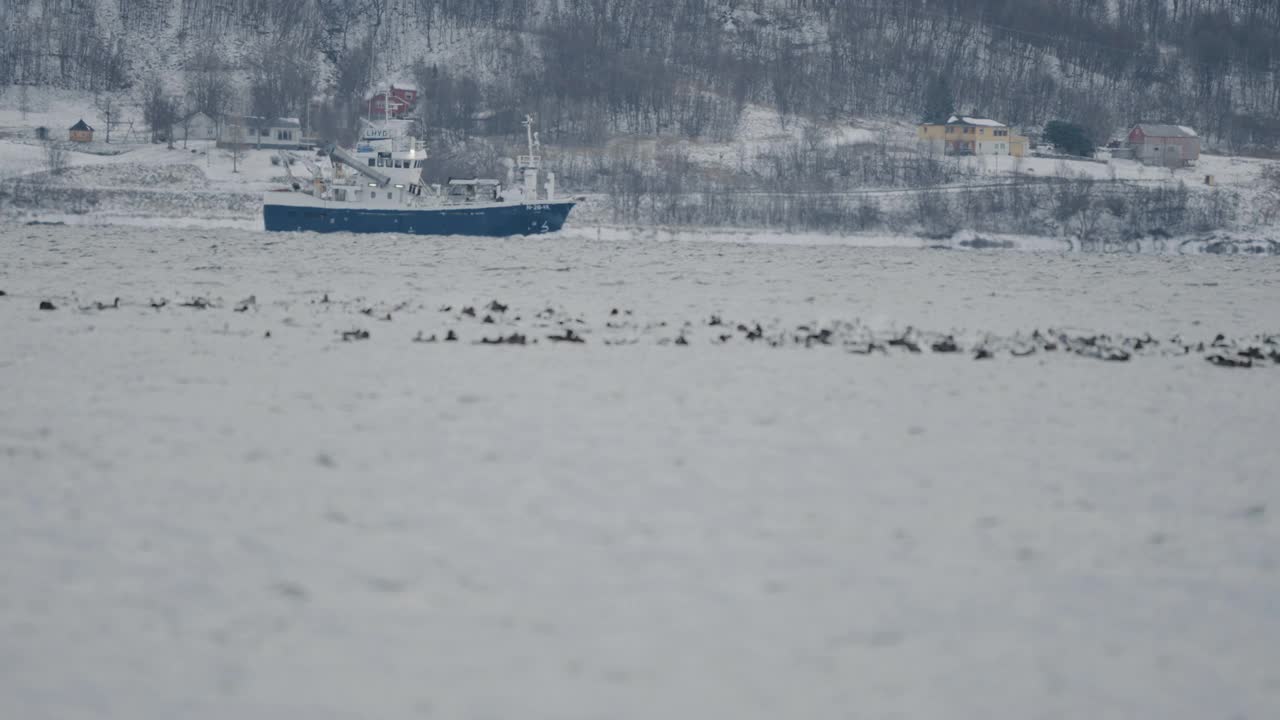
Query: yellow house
{"type": "Point", "coordinates": [962, 135]}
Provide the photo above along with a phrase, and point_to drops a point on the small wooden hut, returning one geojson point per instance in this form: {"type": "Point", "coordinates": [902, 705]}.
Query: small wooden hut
{"type": "Point", "coordinates": [81, 132]}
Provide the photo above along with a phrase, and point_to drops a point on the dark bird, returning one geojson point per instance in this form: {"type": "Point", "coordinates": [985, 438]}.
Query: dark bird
{"type": "Point", "coordinates": [823, 337]}
{"type": "Point", "coordinates": [469, 311]}
{"type": "Point", "coordinates": [488, 320]}
{"type": "Point", "coordinates": [3, 293]}
{"type": "Point", "coordinates": [115, 305]}
{"type": "Point", "coordinates": [946, 345]}
{"type": "Point", "coordinates": [865, 349]}
{"type": "Point", "coordinates": [357, 334]}
{"type": "Point", "coordinates": [446, 308]}
{"type": "Point", "coordinates": [325, 299]}
{"type": "Point", "coordinates": [419, 339]}
{"type": "Point", "coordinates": [905, 342]}
{"type": "Point", "coordinates": [367, 311]}
{"type": "Point", "coordinates": [46, 305]}
{"type": "Point", "coordinates": [159, 304]}
{"type": "Point", "coordinates": [267, 334]}
{"type": "Point", "coordinates": [715, 320]}
{"type": "Point", "coordinates": [512, 339]}
{"type": "Point", "coordinates": [451, 336]}
{"type": "Point", "coordinates": [568, 336]}
{"type": "Point", "coordinates": [197, 303]}
{"type": "Point", "coordinates": [497, 307]}
{"type": "Point", "coordinates": [1252, 353]}
{"type": "Point", "coordinates": [1223, 361]}
{"type": "Point", "coordinates": [982, 354]}
{"type": "Point", "coordinates": [611, 312]}
{"type": "Point", "coordinates": [681, 341]}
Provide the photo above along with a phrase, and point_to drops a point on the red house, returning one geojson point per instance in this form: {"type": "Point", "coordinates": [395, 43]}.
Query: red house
{"type": "Point", "coordinates": [395, 104]}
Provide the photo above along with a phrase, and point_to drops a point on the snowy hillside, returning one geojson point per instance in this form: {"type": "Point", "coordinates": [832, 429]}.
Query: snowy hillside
{"type": "Point", "coordinates": [596, 69]}
{"type": "Point", "coordinates": [830, 179]}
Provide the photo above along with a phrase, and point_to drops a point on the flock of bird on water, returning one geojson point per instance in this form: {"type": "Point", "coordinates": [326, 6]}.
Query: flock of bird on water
{"type": "Point", "coordinates": [854, 337]}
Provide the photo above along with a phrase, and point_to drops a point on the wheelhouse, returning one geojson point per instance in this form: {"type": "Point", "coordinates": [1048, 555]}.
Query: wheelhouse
{"type": "Point", "coordinates": [475, 190]}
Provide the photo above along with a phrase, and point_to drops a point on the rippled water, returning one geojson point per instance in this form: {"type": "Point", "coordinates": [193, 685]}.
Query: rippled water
{"type": "Point", "coordinates": [228, 511]}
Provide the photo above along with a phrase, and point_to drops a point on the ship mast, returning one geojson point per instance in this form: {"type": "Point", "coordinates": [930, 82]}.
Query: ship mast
{"type": "Point", "coordinates": [530, 163]}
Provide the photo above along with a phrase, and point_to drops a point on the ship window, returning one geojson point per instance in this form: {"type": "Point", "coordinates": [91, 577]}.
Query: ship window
{"type": "Point", "coordinates": [388, 196]}
{"type": "Point", "coordinates": [370, 162]}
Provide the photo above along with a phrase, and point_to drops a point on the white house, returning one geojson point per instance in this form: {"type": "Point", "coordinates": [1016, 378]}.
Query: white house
{"type": "Point", "coordinates": [199, 126]}
{"type": "Point", "coordinates": [258, 132]}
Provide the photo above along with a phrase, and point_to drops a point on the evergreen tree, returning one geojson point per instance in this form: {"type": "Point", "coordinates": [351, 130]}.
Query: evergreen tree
{"type": "Point", "coordinates": [939, 100]}
{"type": "Point", "coordinates": [1069, 138]}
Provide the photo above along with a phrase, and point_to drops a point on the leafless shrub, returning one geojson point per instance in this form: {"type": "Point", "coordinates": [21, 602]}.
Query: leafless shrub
{"type": "Point", "coordinates": [56, 157]}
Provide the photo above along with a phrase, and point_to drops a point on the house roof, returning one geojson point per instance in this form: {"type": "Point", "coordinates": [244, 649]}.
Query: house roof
{"type": "Point", "coordinates": [82, 125]}
{"type": "Point", "coordinates": [259, 122]}
{"type": "Point", "coordinates": [1166, 131]}
{"type": "Point", "coordinates": [965, 120]}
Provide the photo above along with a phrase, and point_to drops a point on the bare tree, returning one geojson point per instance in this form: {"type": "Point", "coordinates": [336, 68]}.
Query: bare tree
{"type": "Point", "coordinates": [185, 122]}
{"type": "Point", "coordinates": [106, 104]}
{"type": "Point", "coordinates": [235, 140]}
{"type": "Point", "coordinates": [55, 156]}
{"type": "Point", "coordinates": [1076, 208]}
{"type": "Point", "coordinates": [210, 93]}
{"type": "Point", "coordinates": [158, 110]}
{"type": "Point", "coordinates": [1269, 201]}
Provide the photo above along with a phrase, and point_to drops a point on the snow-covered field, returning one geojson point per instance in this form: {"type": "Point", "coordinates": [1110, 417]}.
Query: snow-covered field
{"type": "Point", "coordinates": [199, 520]}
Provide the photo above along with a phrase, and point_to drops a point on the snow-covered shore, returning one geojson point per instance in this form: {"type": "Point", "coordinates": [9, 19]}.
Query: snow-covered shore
{"type": "Point", "coordinates": [199, 520]}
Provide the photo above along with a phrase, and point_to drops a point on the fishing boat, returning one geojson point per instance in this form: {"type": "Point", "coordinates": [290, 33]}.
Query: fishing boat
{"type": "Point", "coordinates": [377, 187]}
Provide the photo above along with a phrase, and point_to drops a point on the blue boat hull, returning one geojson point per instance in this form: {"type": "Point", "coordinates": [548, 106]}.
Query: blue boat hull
{"type": "Point", "coordinates": [500, 221]}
